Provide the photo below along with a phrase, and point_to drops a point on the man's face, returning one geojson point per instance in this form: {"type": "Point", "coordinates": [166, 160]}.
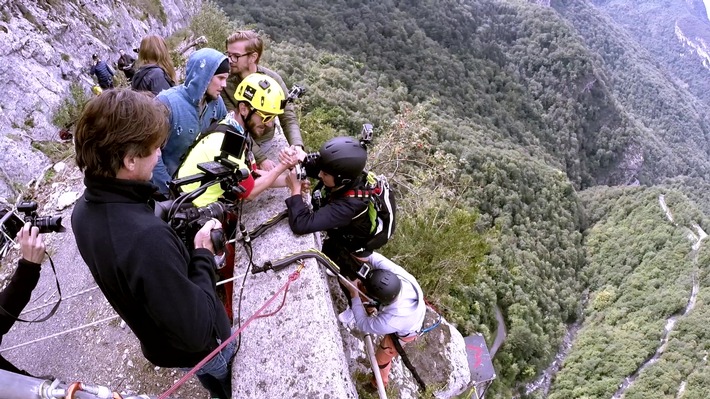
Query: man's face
{"type": "Point", "coordinates": [143, 169]}
{"type": "Point", "coordinates": [327, 178]}
{"type": "Point", "coordinates": [255, 125]}
{"type": "Point", "coordinates": [240, 61]}
{"type": "Point", "coordinates": [216, 85]}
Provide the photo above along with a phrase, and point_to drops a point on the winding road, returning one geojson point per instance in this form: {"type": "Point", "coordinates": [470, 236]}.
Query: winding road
{"type": "Point", "coordinates": [697, 237]}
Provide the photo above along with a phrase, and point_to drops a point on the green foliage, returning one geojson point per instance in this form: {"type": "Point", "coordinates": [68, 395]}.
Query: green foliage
{"type": "Point", "coordinates": [152, 8]}
{"type": "Point", "coordinates": [55, 150]}
{"type": "Point", "coordinates": [212, 22]}
{"type": "Point", "coordinates": [639, 275]}
{"type": "Point", "coordinates": [69, 110]}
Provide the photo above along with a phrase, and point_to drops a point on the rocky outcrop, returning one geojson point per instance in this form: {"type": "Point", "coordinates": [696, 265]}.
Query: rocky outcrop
{"type": "Point", "coordinates": [694, 35]}
{"type": "Point", "coordinates": [544, 3]}
{"type": "Point", "coordinates": [46, 45]}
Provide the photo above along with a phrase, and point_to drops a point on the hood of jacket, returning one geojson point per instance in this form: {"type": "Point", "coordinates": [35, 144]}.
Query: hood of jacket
{"type": "Point", "coordinates": [201, 67]}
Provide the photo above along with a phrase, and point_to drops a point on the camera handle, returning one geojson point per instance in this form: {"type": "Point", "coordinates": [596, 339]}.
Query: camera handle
{"type": "Point", "coordinates": [219, 240]}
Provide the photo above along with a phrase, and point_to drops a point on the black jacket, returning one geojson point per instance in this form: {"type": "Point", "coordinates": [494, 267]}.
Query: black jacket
{"type": "Point", "coordinates": [152, 78]}
{"type": "Point", "coordinates": [166, 296]}
{"type": "Point", "coordinates": [13, 299]}
{"type": "Point", "coordinates": [344, 218]}
{"type": "Point", "coordinates": [102, 72]}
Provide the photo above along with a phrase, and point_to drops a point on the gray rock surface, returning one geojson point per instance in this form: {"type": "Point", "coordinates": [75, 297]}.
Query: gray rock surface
{"type": "Point", "coordinates": [47, 45]}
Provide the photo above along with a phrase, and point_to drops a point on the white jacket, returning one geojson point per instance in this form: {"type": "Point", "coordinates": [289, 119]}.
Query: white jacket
{"type": "Point", "coordinates": [404, 316]}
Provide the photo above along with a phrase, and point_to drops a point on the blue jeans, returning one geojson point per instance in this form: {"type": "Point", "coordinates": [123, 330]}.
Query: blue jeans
{"type": "Point", "coordinates": [216, 375]}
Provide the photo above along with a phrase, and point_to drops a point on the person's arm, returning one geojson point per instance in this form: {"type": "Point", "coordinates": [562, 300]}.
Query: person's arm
{"type": "Point", "coordinates": [259, 155]}
{"type": "Point", "coordinates": [179, 296]}
{"type": "Point", "coordinates": [288, 120]}
{"type": "Point", "coordinates": [370, 324]}
{"type": "Point", "coordinates": [17, 294]}
{"type": "Point", "coordinates": [337, 213]}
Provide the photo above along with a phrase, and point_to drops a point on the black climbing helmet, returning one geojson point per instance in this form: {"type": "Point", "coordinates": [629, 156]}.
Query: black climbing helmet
{"type": "Point", "coordinates": [382, 286]}
{"type": "Point", "coordinates": [344, 158]}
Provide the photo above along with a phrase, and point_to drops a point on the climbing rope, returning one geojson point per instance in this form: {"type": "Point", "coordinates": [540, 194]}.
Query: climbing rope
{"type": "Point", "coordinates": [284, 288]}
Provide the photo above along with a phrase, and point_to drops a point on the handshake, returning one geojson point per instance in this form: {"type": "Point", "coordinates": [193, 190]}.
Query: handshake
{"type": "Point", "coordinates": [298, 159]}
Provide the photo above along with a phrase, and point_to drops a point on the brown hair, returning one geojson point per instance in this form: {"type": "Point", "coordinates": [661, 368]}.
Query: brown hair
{"type": "Point", "coordinates": [153, 50]}
{"type": "Point", "coordinates": [115, 124]}
{"type": "Point", "coordinates": [254, 42]}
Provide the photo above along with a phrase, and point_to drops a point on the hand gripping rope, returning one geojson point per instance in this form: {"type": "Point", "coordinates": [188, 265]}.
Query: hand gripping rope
{"type": "Point", "coordinates": [293, 277]}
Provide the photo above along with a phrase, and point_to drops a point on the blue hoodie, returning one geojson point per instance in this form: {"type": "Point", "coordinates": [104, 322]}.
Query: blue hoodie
{"type": "Point", "coordinates": [185, 122]}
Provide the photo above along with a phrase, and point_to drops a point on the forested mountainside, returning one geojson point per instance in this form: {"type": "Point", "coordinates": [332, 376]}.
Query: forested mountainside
{"type": "Point", "coordinates": [523, 116]}
{"type": "Point", "coordinates": [675, 33]}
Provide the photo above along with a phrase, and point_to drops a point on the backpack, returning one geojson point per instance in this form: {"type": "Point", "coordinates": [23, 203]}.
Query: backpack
{"type": "Point", "coordinates": [382, 209]}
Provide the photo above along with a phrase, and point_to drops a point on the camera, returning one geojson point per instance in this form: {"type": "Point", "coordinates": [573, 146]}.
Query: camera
{"type": "Point", "coordinates": [366, 134]}
{"type": "Point", "coordinates": [310, 161]}
{"type": "Point", "coordinates": [46, 224]}
{"type": "Point", "coordinates": [186, 220]}
{"type": "Point", "coordinates": [296, 92]}
{"type": "Point", "coordinates": [11, 223]}
{"type": "Point", "coordinates": [363, 271]}
{"type": "Point", "coordinates": [222, 170]}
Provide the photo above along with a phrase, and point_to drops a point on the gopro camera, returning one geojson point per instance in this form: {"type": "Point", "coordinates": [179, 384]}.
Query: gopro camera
{"type": "Point", "coordinates": [364, 271]}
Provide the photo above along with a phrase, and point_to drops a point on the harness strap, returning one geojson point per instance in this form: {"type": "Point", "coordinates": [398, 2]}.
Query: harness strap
{"type": "Point", "coordinates": [407, 362]}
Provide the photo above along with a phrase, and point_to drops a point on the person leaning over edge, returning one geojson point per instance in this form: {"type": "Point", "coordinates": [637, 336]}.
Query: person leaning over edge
{"type": "Point", "coordinates": [163, 292]}
{"type": "Point", "coordinates": [17, 294]}
{"type": "Point", "coordinates": [401, 307]}
{"type": "Point", "coordinates": [194, 106]}
{"type": "Point", "coordinates": [244, 49]}
{"type": "Point", "coordinates": [340, 168]}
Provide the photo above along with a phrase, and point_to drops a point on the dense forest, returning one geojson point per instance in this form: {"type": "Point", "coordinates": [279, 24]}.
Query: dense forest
{"type": "Point", "coordinates": [529, 146]}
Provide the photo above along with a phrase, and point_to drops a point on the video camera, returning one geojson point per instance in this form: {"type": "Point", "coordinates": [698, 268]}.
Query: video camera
{"type": "Point", "coordinates": [186, 220]}
{"type": "Point", "coordinates": [11, 223]}
{"type": "Point", "coordinates": [222, 170]}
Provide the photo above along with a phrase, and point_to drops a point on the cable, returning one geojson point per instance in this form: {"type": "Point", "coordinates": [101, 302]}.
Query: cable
{"type": "Point", "coordinates": [291, 278]}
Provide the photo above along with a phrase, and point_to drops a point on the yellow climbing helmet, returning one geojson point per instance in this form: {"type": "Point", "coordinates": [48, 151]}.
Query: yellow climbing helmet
{"type": "Point", "coordinates": [262, 92]}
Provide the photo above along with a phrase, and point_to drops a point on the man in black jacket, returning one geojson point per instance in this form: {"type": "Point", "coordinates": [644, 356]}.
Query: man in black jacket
{"type": "Point", "coordinates": [103, 73]}
{"type": "Point", "coordinates": [125, 63]}
{"type": "Point", "coordinates": [17, 294]}
{"type": "Point", "coordinates": [163, 292]}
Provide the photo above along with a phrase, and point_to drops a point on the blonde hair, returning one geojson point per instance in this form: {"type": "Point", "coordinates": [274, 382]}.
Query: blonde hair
{"type": "Point", "coordinates": [254, 42]}
{"type": "Point", "coordinates": [153, 50]}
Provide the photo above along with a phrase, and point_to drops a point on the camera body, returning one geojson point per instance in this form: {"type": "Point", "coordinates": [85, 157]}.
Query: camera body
{"type": "Point", "coordinates": [366, 134]}
{"type": "Point", "coordinates": [311, 160]}
{"type": "Point", "coordinates": [187, 220]}
{"type": "Point", "coordinates": [295, 92]}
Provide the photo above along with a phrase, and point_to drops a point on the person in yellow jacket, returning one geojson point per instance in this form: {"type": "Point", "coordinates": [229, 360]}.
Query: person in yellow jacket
{"type": "Point", "coordinates": [259, 100]}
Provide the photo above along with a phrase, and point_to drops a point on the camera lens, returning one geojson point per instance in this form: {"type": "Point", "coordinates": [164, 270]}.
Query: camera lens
{"type": "Point", "coordinates": [48, 224]}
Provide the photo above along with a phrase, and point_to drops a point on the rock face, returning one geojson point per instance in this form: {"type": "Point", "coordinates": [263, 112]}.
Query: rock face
{"type": "Point", "coordinates": [46, 45]}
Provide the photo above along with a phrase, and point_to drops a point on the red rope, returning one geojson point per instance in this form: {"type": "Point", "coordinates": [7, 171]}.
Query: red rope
{"type": "Point", "coordinates": [291, 278]}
